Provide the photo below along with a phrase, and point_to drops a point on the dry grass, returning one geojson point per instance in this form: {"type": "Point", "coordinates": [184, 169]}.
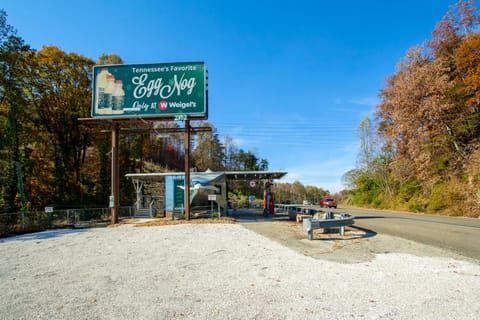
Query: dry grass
{"type": "Point", "coordinates": [168, 221]}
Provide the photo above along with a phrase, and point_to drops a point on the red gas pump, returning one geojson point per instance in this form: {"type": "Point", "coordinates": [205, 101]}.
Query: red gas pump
{"type": "Point", "coordinates": [268, 199]}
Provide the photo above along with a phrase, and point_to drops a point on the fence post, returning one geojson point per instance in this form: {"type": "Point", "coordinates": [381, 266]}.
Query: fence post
{"type": "Point", "coordinates": [49, 219]}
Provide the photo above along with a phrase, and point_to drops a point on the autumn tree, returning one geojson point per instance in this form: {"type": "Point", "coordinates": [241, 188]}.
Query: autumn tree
{"type": "Point", "coordinates": [230, 150]}
{"type": "Point", "coordinates": [467, 60]}
{"type": "Point", "coordinates": [110, 58]}
{"type": "Point", "coordinates": [367, 152]}
{"type": "Point", "coordinates": [423, 119]}
{"type": "Point", "coordinates": [298, 191]}
{"type": "Point", "coordinates": [374, 164]}
{"type": "Point", "coordinates": [416, 116]}
{"type": "Point", "coordinates": [14, 72]}
{"type": "Point", "coordinates": [61, 94]}
{"type": "Point", "coordinates": [429, 110]}
{"type": "Point", "coordinates": [460, 20]}
{"type": "Point", "coordinates": [208, 152]}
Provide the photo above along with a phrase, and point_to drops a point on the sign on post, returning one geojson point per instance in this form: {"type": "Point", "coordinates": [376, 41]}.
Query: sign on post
{"type": "Point", "coordinates": [175, 90]}
{"type": "Point", "coordinates": [212, 198]}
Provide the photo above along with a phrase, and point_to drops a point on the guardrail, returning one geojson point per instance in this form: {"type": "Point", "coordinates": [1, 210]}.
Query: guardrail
{"type": "Point", "coordinates": [333, 220]}
{"type": "Point", "coordinates": [294, 209]}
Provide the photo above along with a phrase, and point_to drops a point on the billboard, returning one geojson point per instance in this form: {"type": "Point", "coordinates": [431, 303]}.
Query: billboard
{"type": "Point", "coordinates": [175, 90]}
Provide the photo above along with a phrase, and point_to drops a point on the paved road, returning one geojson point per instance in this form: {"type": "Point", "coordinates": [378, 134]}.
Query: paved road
{"type": "Point", "coordinates": [374, 232]}
{"type": "Point", "coordinates": [458, 234]}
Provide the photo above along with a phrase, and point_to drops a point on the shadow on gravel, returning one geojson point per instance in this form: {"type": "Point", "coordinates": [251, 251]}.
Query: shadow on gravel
{"type": "Point", "coordinates": [368, 233]}
{"type": "Point", "coordinates": [361, 233]}
{"type": "Point", "coordinates": [43, 235]}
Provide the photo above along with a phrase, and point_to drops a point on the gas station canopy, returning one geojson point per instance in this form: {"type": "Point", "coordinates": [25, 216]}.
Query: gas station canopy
{"type": "Point", "coordinates": [230, 175]}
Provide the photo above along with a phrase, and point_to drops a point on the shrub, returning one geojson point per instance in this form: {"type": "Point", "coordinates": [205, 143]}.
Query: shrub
{"type": "Point", "coordinates": [446, 197]}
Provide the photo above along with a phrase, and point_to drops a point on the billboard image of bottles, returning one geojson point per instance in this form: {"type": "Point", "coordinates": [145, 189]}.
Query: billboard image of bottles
{"type": "Point", "coordinates": [150, 90]}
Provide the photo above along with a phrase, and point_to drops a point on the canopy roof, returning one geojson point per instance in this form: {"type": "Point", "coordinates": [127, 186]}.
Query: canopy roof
{"type": "Point", "coordinates": [249, 175]}
{"type": "Point", "coordinates": [210, 175]}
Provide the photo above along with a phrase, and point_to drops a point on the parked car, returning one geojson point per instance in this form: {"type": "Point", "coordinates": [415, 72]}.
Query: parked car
{"type": "Point", "coordinates": [328, 203]}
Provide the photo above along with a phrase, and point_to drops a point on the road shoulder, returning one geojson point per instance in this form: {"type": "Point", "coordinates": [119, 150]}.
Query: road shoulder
{"type": "Point", "coordinates": [356, 246]}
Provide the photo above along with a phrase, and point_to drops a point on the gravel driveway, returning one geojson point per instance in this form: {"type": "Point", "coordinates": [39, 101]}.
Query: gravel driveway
{"type": "Point", "coordinates": [219, 271]}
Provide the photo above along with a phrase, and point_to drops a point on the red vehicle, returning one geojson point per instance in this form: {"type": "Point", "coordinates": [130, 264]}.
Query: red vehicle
{"type": "Point", "coordinates": [328, 203]}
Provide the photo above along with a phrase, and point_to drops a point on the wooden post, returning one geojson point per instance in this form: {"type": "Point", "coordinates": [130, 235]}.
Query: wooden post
{"type": "Point", "coordinates": [115, 172]}
{"type": "Point", "coordinates": [187, 170]}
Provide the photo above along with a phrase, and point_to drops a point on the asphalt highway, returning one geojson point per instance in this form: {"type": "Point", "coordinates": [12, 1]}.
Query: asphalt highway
{"type": "Point", "coordinates": [374, 232]}
{"type": "Point", "coordinates": [459, 234]}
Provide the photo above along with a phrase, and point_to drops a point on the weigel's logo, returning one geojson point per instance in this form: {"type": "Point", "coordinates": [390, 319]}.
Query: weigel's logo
{"type": "Point", "coordinates": [163, 105]}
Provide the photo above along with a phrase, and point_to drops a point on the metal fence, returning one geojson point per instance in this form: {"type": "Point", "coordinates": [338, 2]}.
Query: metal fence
{"type": "Point", "coordinates": [12, 223]}
{"type": "Point", "coordinates": [15, 223]}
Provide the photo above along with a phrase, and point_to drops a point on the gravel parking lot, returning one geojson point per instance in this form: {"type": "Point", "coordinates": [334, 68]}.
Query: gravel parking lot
{"type": "Point", "coordinates": [219, 271]}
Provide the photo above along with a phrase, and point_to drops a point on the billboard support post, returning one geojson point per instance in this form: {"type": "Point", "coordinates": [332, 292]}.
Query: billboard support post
{"type": "Point", "coordinates": [187, 170]}
{"type": "Point", "coordinates": [115, 172]}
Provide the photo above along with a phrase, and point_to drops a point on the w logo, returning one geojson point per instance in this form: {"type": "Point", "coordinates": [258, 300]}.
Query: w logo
{"type": "Point", "coordinates": [163, 105]}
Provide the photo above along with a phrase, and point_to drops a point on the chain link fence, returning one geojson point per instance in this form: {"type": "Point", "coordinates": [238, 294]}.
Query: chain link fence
{"type": "Point", "coordinates": [17, 223]}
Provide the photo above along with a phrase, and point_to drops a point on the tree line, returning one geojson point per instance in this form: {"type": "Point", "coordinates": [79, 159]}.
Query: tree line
{"type": "Point", "coordinates": [422, 151]}
{"type": "Point", "coordinates": [49, 158]}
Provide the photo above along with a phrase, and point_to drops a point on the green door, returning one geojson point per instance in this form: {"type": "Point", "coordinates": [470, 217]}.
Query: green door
{"type": "Point", "coordinates": [179, 193]}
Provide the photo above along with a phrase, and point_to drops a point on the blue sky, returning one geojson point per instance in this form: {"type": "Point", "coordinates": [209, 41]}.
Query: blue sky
{"type": "Point", "coordinates": [288, 80]}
